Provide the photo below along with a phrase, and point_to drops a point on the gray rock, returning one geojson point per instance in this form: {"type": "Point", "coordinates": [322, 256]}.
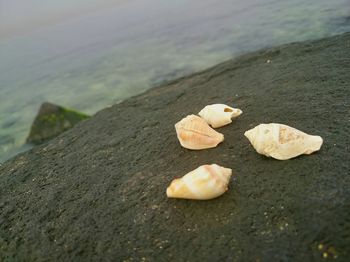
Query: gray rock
{"type": "Point", "coordinates": [51, 121]}
{"type": "Point", "coordinates": [97, 192]}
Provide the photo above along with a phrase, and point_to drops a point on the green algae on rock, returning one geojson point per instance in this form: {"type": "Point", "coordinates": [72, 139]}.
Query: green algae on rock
{"type": "Point", "coordinates": [51, 121]}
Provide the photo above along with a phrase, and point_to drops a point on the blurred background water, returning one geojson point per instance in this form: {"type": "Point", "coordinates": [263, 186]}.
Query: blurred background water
{"type": "Point", "coordinates": [88, 54]}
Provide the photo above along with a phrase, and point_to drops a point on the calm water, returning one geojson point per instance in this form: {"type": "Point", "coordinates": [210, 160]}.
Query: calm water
{"type": "Point", "coordinates": [87, 55]}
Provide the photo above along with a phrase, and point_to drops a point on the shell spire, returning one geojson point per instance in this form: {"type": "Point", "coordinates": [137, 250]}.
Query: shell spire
{"type": "Point", "coordinates": [282, 142]}
{"type": "Point", "coordinates": [205, 182]}
{"type": "Point", "coordinates": [194, 133]}
{"type": "Point", "coordinates": [218, 115]}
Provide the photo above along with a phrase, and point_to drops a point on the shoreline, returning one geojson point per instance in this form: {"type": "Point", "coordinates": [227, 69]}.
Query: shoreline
{"type": "Point", "coordinates": [19, 148]}
{"type": "Point", "coordinates": [98, 190]}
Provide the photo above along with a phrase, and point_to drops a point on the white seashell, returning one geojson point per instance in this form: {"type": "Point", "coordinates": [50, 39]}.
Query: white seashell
{"type": "Point", "coordinates": [194, 133]}
{"type": "Point", "coordinates": [218, 115]}
{"type": "Point", "coordinates": [205, 182]}
{"type": "Point", "coordinates": [281, 141]}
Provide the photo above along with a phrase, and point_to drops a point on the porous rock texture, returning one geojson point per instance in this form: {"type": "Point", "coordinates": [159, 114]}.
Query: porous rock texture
{"type": "Point", "coordinates": [97, 192]}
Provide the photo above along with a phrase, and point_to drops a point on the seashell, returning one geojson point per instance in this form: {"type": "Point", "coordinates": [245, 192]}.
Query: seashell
{"type": "Point", "coordinates": [194, 133]}
{"type": "Point", "coordinates": [281, 141]}
{"type": "Point", "coordinates": [205, 182]}
{"type": "Point", "coordinates": [218, 115]}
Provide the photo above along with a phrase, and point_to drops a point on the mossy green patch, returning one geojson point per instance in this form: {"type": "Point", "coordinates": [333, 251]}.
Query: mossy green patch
{"type": "Point", "coordinates": [51, 121]}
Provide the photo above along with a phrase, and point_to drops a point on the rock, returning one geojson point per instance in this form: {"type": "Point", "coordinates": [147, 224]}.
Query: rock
{"type": "Point", "coordinates": [51, 121]}
{"type": "Point", "coordinates": [97, 192]}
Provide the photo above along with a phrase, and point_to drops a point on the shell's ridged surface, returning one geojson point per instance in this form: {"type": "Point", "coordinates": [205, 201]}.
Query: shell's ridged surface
{"type": "Point", "coordinates": [281, 141]}
{"type": "Point", "coordinates": [194, 133]}
{"type": "Point", "coordinates": [205, 182]}
{"type": "Point", "coordinates": [218, 115]}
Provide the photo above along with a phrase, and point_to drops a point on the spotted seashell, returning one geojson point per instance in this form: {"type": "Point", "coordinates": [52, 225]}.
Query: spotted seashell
{"type": "Point", "coordinates": [281, 141]}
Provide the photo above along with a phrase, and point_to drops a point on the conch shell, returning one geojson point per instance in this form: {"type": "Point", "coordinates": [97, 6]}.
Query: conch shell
{"type": "Point", "coordinates": [218, 115]}
{"type": "Point", "coordinates": [281, 141]}
{"type": "Point", "coordinates": [194, 133]}
{"type": "Point", "coordinates": [205, 182]}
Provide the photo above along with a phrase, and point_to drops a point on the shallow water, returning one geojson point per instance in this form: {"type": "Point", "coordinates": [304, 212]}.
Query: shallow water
{"type": "Point", "coordinates": [105, 55]}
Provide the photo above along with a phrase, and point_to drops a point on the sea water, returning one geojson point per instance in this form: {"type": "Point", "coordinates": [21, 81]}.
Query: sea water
{"type": "Point", "coordinates": [92, 54]}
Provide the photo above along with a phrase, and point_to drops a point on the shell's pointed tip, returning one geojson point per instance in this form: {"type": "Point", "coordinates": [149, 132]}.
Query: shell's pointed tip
{"type": "Point", "coordinates": [222, 138]}
{"type": "Point", "coordinates": [168, 192]}
{"type": "Point", "coordinates": [319, 142]}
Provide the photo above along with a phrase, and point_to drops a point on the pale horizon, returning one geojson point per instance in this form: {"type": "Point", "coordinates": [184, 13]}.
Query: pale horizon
{"type": "Point", "coordinates": [20, 17]}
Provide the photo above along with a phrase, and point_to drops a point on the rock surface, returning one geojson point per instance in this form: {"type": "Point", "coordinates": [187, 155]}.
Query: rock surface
{"type": "Point", "coordinates": [97, 192]}
{"type": "Point", "coordinates": [51, 121]}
